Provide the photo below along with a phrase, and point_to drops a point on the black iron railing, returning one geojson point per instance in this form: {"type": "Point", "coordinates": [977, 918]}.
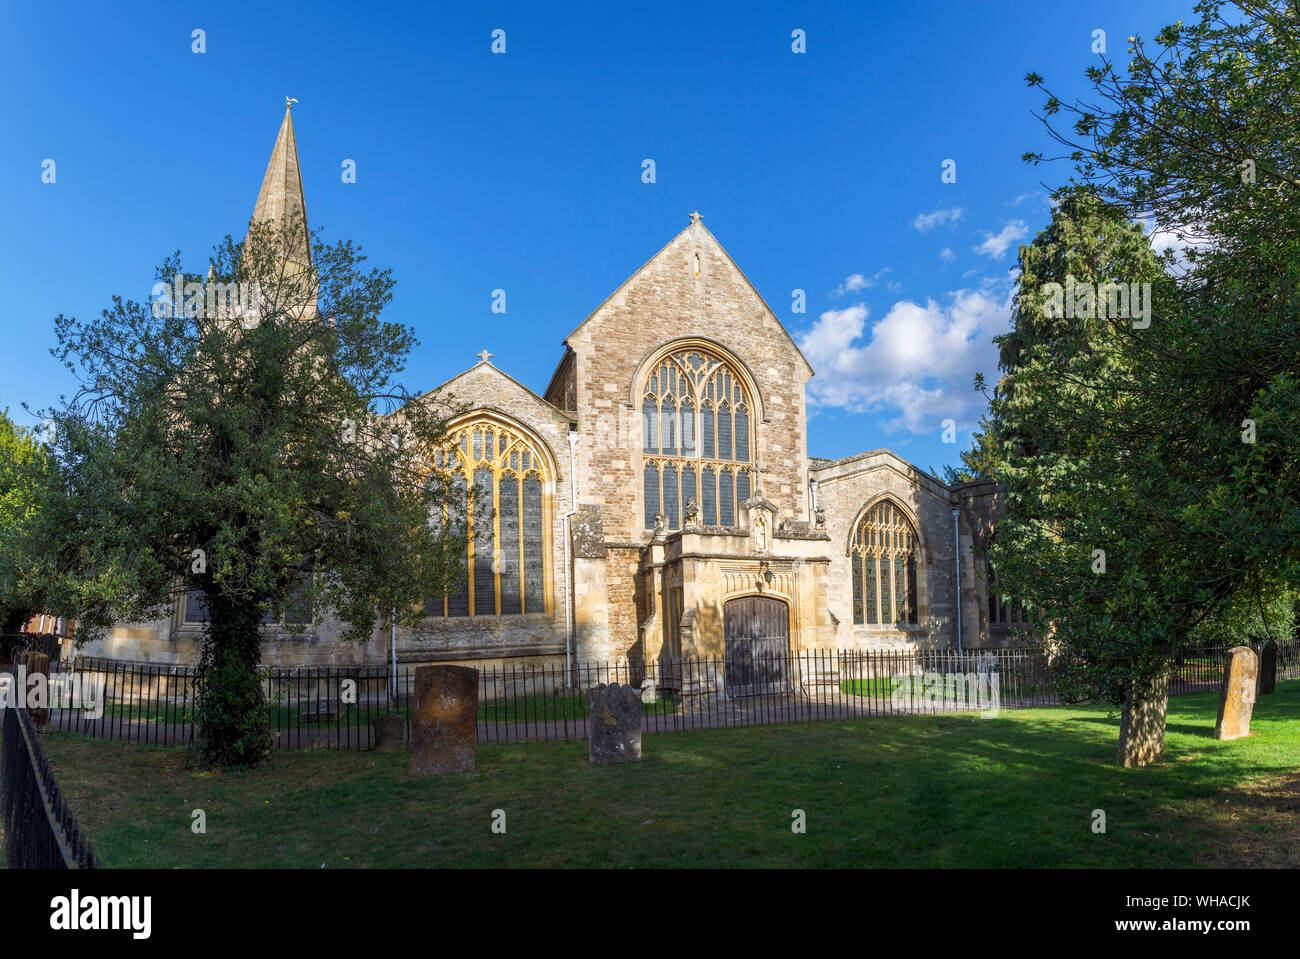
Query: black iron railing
{"type": "Point", "coordinates": [333, 707]}
{"type": "Point", "coordinates": [12, 645]}
{"type": "Point", "coordinates": [40, 830]}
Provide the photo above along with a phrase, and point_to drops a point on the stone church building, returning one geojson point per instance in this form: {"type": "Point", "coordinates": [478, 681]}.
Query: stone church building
{"type": "Point", "coordinates": [657, 499]}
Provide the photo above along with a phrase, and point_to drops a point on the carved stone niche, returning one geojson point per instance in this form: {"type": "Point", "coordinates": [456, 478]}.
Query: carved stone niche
{"type": "Point", "coordinates": [760, 520]}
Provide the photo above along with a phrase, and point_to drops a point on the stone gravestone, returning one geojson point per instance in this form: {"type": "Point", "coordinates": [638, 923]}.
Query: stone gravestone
{"type": "Point", "coordinates": [35, 662]}
{"type": "Point", "coordinates": [614, 724]}
{"type": "Point", "coordinates": [1268, 668]}
{"type": "Point", "coordinates": [1142, 723]}
{"type": "Point", "coordinates": [443, 721]}
{"type": "Point", "coordinates": [1237, 694]}
{"type": "Point", "coordinates": [390, 733]}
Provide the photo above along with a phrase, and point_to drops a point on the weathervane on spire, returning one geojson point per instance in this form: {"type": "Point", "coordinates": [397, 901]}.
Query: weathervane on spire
{"type": "Point", "coordinates": [289, 102]}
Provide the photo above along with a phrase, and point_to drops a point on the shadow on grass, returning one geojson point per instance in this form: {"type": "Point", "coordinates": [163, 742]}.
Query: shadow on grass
{"type": "Point", "coordinates": [1018, 790]}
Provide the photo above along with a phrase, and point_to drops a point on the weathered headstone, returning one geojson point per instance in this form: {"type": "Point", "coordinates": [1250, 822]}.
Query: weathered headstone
{"type": "Point", "coordinates": [1268, 668]}
{"type": "Point", "coordinates": [614, 724]}
{"type": "Point", "coordinates": [390, 733]}
{"type": "Point", "coordinates": [1237, 694]}
{"type": "Point", "coordinates": [443, 721]}
{"type": "Point", "coordinates": [1142, 723]}
{"type": "Point", "coordinates": [34, 663]}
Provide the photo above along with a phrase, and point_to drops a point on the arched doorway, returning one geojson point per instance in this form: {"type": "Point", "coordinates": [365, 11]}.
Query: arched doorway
{"type": "Point", "coordinates": [756, 632]}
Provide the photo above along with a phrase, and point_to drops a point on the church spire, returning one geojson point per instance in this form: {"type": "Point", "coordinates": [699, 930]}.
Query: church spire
{"type": "Point", "coordinates": [281, 200]}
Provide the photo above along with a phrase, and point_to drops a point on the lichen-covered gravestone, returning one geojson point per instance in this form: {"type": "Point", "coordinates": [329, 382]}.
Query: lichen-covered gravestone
{"type": "Point", "coordinates": [1142, 723]}
{"type": "Point", "coordinates": [443, 721]}
{"type": "Point", "coordinates": [614, 724]}
{"type": "Point", "coordinates": [1237, 694]}
{"type": "Point", "coordinates": [1268, 668]}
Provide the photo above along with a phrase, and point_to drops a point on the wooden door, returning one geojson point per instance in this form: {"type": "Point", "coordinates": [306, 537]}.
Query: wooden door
{"type": "Point", "coordinates": [756, 632]}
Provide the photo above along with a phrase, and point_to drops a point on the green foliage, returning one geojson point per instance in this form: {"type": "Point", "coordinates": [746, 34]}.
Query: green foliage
{"type": "Point", "coordinates": [24, 469]}
{"type": "Point", "coordinates": [1060, 415]}
{"type": "Point", "coordinates": [980, 461]}
{"type": "Point", "coordinates": [1174, 448]}
{"type": "Point", "coordinates": [247, 455]}
{"type": "Point", "coordinates": [1252, 616]}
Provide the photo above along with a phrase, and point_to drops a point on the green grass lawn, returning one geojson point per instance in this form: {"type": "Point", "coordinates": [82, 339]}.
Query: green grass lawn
{"type": "Point", "coordinates": [942, 791]}
{"type": "Point", "coordinates": [879, 687]}
{"type": "Point", "coordinates": [882, 687]}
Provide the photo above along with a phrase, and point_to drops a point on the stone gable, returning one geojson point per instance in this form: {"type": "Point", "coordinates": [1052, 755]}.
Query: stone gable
{"type": "Point", "coordinates": [666, 301]}
{"type": "Point", "coordinates": [844, 490]}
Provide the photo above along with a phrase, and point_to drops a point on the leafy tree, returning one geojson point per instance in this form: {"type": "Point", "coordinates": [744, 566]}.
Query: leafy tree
{"type": "Point", "coordinates": [23, 463]}
{"type": "Point", "coordinates": [980, 461]}
{"type": "Point", "coordinates": [1074, 542]}
{"type": "Point", "coordinates": [1087, 242]}
{"type": "Point", "coordinates": [1182, 459]}
{"type": "Point", "coordinates": [233, 440]}
{"type": "Point", "coordinates": [1259, 612]}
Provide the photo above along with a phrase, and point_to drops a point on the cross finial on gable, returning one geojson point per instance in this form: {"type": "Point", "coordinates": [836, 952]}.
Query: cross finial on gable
{"type": "Point", "coordinates": [484, 356]}
{"type": "Point", "coordinates": [695, 217]}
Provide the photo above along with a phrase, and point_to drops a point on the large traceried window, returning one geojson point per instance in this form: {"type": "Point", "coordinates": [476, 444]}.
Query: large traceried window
{"type": "Point", "coordinates": [505, 559]}
{"type": "Point", "coordinates": [696, 439]}
{"type": "Point", "coordinates": [884, 555]}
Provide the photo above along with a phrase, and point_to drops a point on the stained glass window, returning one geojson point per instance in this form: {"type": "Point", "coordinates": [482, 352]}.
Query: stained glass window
{"type": "Point", "coordinates": [695, 417]}
{"type": "Point", "coordinates": [505, 560]}
{"type": "Point", "coordinates": [884, 556]}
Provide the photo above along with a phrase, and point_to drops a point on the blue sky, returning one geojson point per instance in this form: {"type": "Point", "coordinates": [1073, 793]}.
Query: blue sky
{"type": "Point", "coordinates": [522, 171]}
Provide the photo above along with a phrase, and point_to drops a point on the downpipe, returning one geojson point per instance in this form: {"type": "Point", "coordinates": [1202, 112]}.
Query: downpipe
{"type": "Point", "coordinates": [568, 565]}
{"type": "Point", "coordinates": [956, 553]}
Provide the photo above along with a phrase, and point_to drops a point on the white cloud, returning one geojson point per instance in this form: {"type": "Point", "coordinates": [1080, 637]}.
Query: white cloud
{"type": "Point", "coordinates": [928, 221]}
{"type": "Point", "coordinates": [1192, 236]}
{"type": "Point", "coordinates": [857, 281]}
{"type": "Point", "coordinates": [915, 365]}
{"type": "Point", "coordinates": [947, 255]}
{"type": "Point", "coordinates": [995, 246]}
{"type": "Point", "coordinates": [1029, 196]}
{"type": "Point", "coordinates": [854, 282]}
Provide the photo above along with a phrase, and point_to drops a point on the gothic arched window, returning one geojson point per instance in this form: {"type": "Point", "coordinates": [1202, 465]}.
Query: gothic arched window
{"type": "Point", "coordinates": [1001, 612]}
{"type": "Point", "coordinates": [884, 556]}
{"type": "Point", "coordinates": [505, 559]}
{"type": "Point", "coordinates": [696, 440]}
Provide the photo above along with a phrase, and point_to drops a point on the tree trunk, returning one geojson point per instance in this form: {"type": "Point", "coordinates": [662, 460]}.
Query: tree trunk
{"type": "Point", "coordinates": [234, 726]}
{"type": "Point", "coordinates": [1142, 722]}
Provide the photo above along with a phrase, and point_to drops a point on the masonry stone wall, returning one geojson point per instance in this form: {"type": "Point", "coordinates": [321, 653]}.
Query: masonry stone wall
{"type": "Point", "coordinates": [625, 602]}
{"type": "Point", "coordinates": [487, 391]}
{"type": "Point", "coordinates": [844, 490]}
{"type": "Point", "coordinates": [715, 567]}
{"type": "Point", "coordinates": [664, 302]}
{"type": "Point", "coordinates": [169, 641]}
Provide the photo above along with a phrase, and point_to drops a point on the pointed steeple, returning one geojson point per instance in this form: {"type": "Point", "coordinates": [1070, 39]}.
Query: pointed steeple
{"type": "Point", "coordinates": [281, 201]}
